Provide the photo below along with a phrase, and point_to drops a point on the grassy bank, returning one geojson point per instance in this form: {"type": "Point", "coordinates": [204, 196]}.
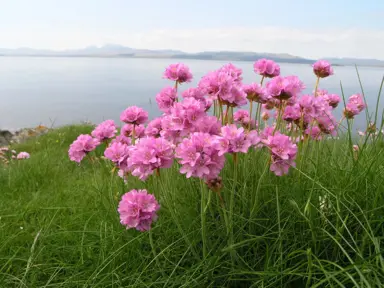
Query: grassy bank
{"type": "Point", "coordinates": [320, 226]}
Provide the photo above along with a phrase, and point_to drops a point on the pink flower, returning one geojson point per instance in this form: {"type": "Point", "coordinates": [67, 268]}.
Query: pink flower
{"type": "Point", "coordinates": [178, 72]}
{"type": "Point", "coordinates": [283, 151]}
{"type": "Point", "coordinates": [166, 98]}
{"type": "Point", "coordinates": [354, 106]}
{"type": "Point", "coordinates": [149, 154]}
{"type": "Point", "coordinates": [314, 132]}
{"type": "Point", "coordinates": [154, 128]}
{"type": "Point", "coordinates": [332, 99]}
{"type": "Point", "coordinates": [23, 155]}
{"type": "Point", "coordinates": [196, 93]}
{"type": "Point", "coordinates": [281, 167]}
{"type": "Point", "coordinates": [322, 69]}
{"type": "Point", "coordinates": [283, 88]}
{"type": "Point", "coordinates": [224, 84]}
{"type": "Point", "coordinates": [327, 124]}
{"type": "Point", "coordinates": [138, 209]}
{"type": "Point", "coordinates": [81, 146]}
{"type": "Point", "coordinates": [266, 68]}
{"type": "Point", "coordinates": [134, 115]}
{"type": "Point", "coordinates": [281, 146]}
{"type": "Point", "coordinates": [255, 93]}
{"type": "Point", "coordinates": [292, 113]}
{"type": "Point", "coordinates": [117, 152]}
{"type": "Point", "coordinates": [232, 140]}
{"type": "Point", "coordinates": [242, 117]}
{"type": "Point", "coordinates": [122, 139]}
{"type": "Point", "coordinates": [105, 130]}
{"type": "Point", "coordinates": [208, 124]}
{"type": "Point", "coordinates": [127, 130]}
{"type": "Point", "coordinates": [199, 157]}
{"type": "Point", "coordinates": [265, 115]}
{"type": "Point", "coordinates": [355, 148]}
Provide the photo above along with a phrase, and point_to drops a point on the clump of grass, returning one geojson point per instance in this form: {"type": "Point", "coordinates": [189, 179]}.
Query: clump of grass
{"type": "Point", "coordinates": [320, 226]}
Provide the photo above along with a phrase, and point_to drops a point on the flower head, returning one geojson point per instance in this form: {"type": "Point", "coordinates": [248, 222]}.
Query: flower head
{"type": "Point", "coordinates": [149, 154]}
{"type": "Point", "coordinates": [117, 152]}
{"type": "Point", "coordinates": [354, 106]}
{"type": "Point", "coordinates": [322, 69]}
{"type": "Point", "coordinates": [81, 146]}
{"type": "Point", "coordinates": [105, 130]}
{"type": "Point", "coordinates": [134, 115]}
{"type": "Point", "coordinates": [154, 128]}
{"type": "Point", "coordinates": [127, 131]}
{"type": "Point", "coordinates": [199, 157]}
{"type": "Point", "coordinates": [178, 72]}
{"type": "Point", "coordinates": [138, 210]}
{"type": "Point", "coordinates": [232, 140]}
{"type": "Point", "coordinates": [23, 155]}
{"type": "Point", "coordinates": [266, 68]}
{"type": "Point", "coordinates": [255, 92]}
{"type": "Point", "coordinates": [166, 98]}
{"type": "Point", "coordinates": [283, 88]}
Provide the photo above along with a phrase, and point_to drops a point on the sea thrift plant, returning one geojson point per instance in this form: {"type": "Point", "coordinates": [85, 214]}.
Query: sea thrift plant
{"type": "Point", "coordinates": [198, 131]}
{"type": "Point", "coordinates": [23, 155]}
{"type": "Point", "coordinates": [138, 210]}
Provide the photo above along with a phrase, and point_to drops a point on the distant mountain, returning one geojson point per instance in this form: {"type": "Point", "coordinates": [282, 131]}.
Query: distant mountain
{"type": "Point", "coordinates": [114, 50]}
{"type": "Point", "coordinates": [356, 61]}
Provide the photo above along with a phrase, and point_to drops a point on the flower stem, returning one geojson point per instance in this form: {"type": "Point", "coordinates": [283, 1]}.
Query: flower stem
{"type": "Point", "coordinates": [203, 220]}
{"type": "Point", "coordinates": [231, 206]}
{"type": "Point", "coordinates": [134, 134]}
{"type": "Point", "coordinates": [250, 114]}
{"type": "Point", "coordinates": [317, 85]}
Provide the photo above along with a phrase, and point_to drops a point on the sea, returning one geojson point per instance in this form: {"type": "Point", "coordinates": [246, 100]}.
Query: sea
{"type": "Point", "coordinates": [68, 90]}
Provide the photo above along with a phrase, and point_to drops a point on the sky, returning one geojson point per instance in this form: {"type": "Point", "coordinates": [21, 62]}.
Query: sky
{"type": "Point", "coordinates": [307, 28]}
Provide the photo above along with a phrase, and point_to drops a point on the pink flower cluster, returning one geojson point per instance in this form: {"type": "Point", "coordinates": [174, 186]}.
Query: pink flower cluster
{"type": "Point", "coordinates": [178, 72]}
{"type": "Point", "coordinates": [134, 115]}
{"type": "Point", "coordinates": [225, 86]}
{"type": "Point", "coordinates": [23, 155]}
{"type": "Point", "coordinates": [105, 130]}
{"type": "Point", "coordinates": [82, 146]}
{"type": "Point", "coordinates": [266, 68]}
{"type": "Point", "coordinates": [200, 141]}
{"type": "Point", "coordinates": [199, 156]}
{"type": "Point", "coordinates": [354, 106]}
{"type": "Point", "coordinates": [322, 69]}
{"type": "Point", "coordinates": [148, 155]}
{"type": "Point", "coordinates": [138, 210]}
{"type": "Point", "coordinates": [6, 155]}
{"type": "Point", "coordinates": [283, 152]}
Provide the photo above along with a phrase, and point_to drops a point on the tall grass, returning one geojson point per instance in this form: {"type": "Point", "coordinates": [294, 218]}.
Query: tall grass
{"type": "Point", "coordinates": [320, 226]}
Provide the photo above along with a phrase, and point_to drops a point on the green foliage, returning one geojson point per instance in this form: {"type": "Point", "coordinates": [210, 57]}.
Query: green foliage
{"type": "Point", "coordinates": [320, 226]}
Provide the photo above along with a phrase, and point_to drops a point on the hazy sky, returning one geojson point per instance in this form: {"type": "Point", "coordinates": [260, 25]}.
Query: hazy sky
{"type": "Point", "coordinates": [309, 28]}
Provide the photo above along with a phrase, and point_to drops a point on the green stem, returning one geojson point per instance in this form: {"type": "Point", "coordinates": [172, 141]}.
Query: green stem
{"type": "Point", "coordinates": [250, 114]}
{"type": "Point", "coordinates": [133, 135]}
{"type": "Point", "coordinates": [203, 220]}
{"type": "Point", "coordinates": [231, 208]}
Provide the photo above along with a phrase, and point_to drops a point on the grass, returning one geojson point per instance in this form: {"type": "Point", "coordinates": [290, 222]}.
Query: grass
{"type": "Point", "coordinates": [320, 226]}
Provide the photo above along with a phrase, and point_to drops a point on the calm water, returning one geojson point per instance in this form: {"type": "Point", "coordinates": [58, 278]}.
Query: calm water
{"type": "Point", "coordinates": [57, 91]}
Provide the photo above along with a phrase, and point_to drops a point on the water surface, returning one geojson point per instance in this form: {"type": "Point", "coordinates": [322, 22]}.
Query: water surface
{"type": "Point", "coordinates": [59, 91]}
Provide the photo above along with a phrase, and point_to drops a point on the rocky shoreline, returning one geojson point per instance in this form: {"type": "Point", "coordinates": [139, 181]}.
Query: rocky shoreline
{"type": "Point", "coordinates": [7, 137]}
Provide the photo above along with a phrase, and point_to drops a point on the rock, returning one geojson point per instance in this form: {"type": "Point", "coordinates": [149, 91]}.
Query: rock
{"type": "Point", "coordinates": [5, 137]}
